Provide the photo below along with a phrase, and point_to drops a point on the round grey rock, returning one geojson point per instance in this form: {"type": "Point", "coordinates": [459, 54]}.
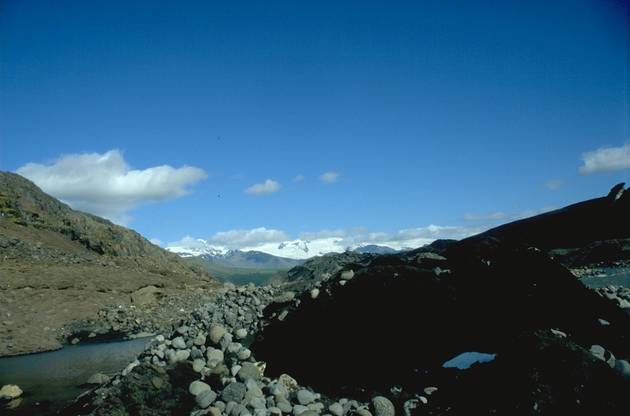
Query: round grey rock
{"type": "Point", "coordinates": [248, 370]}
{"type": "Point", "coordinates": [233, 392]}
{"type": "Point", "coordinates": [216, 333]}
{"type": "Point", "coordinates": [205, 399]}
{"type": "Point", "coordinates": [383, 406]}
{"type": "Point", "coordinates": [336, 409]}
{"type": "Point", "coordinates": [305, 397]}
{"type": "Point", "coordinates": [179, 343]}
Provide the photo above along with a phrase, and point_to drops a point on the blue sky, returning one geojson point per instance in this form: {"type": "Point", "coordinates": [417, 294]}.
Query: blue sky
{"type": "Point", "coordinates": [429, 112]}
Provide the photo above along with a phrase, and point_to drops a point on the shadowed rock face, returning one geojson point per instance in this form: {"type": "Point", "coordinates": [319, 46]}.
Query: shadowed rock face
{"type": "Point", "coordinates": [401, 317]}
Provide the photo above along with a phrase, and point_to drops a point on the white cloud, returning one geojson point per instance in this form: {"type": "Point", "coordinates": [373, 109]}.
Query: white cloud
{"type": "Point", "coordinates": [299, 178]}
{"type": "Point", "coordinates": [244, 238]}
{"type": "Point", "coordinates": [268, 187]}
{"type": "Point", "coordinates": [606, 159]}
{"type": "Point", "coordinates": [329, 177]}
{"type": "Point", "coordinates": [493, 216]}
{"type": "Point", "coordinates": [554, 184]}
{"type": "Point", "coordinates": [105, 185]}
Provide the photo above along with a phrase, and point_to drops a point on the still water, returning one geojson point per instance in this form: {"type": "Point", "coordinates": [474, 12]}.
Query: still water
{"type": "Point", "coordinates": [51, 380]}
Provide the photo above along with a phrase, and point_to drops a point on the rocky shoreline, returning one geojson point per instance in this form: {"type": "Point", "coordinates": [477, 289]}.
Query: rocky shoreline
{"type": "Point", "coordinates": [206, 367]}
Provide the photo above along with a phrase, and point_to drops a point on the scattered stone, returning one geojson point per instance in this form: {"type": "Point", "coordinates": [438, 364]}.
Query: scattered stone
{"type": "Point", "coordinates": [205, 398]}
{"type": "Point", "coordinates": [197, 387]}
{"type": "Point", "coordinates": [130, 367]}
{"type": "Point", "coordinates": [558, 333]}
{"type": "Point", "coordinates": [314, 293]}
{"type": "Point", "coordinates": [10, 392]}
{"type": "Point", "coordinates": [244, 354]}
{"type": "Point", "coordinates": [409, 405]}
{"type": "Point", "coordinates": [179, 343]}
{"type": "Point", "coordinates": [430, 390]}
{"type": "Point", "coordinates": [249, 370]}
{"type": "Point", "coordinates": [98, 378]}
{"type": "Point", "coordinates": [383, 406]}
{"type": "Point", "coordinates": [347, 275]}
{"type": "Point", "coordinates": [241, 333]}
{"type": "Point", "coordinates": [603, 322]}
{"type": "Point", "coordinates": [600, 352]}
{"type": "Point", "coordinates": [157, 382]}
{"type": "Point", "coordinates": [234, 392]}
{"type": "Point", "coordinates": [284, 297]}
{"type": "Point", "coordinates": [200, 339]}
{"type": "Point", "coordinates": [214, 411]}
{"type": "Point", "coordinates": [288, 382]}
{"type": "Point", "coordinates": [623, 368]}
{"type": "Point", "coordinates": [275, 411]}
{"type": "Point", "coordinates": [336, 409]}
{"type": "Point", "coordinates": [198, 365]}
{"type": "Point", "coordinates": [298, 409]}
{"type": "Point", "coordinates": [305, 397]}
{"type": "Point", "coordinates": [214, 356]}
{"type": "Point", "coordinates": [285, 406]}
{"type": "Point", "coordinates": [216, 333]}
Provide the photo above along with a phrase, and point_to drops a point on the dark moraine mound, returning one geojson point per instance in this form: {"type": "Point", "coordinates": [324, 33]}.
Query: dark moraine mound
{"type": "Point", "coordinates": [399, 318]}
{"type": "Point", "coordinates": [592, 231]}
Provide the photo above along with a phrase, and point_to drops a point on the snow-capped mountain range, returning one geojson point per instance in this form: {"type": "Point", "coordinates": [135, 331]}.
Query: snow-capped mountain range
{"type": "Point", "coordinates": [293, 249]}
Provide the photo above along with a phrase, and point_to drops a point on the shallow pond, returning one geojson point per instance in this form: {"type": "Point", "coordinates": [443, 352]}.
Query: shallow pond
{"type": "Point", "coordinates": [51, 380]}
{"type": "Point", "coordinates": [608, 276]}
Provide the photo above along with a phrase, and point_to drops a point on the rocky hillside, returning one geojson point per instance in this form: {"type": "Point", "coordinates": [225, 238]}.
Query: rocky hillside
{"type": "Point", "coordinates": [58, 265]}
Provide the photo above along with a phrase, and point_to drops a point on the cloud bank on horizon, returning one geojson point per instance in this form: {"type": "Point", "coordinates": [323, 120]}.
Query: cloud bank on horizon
{"type": "Point", "coordinates": [105, 185]}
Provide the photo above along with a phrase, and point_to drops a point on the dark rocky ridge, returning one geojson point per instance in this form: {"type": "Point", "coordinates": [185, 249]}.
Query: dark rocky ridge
{"type": "Point", "coordinates": [590, 231]}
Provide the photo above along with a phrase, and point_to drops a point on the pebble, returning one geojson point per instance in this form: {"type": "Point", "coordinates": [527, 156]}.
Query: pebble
{"type": "Point", "coordinates": [234, 392]}
{"type": "Point", "coordinates": [623, 368]}
{"type": "Point", "coordinates": [216, 333]}
{"type": "Point", "coordinates": [244, 354]}
{"type": "Point", "coordinates": [241, 333]}
{"type": "Point", "coordinates": [347, 275]}
{"type": "Point", "coordinates": [248, 370]}
{"type": "Point", "coordinates": [214, 356]}
{"type": "Point", "coordinates": [305, 397]}
{"type": "Point", "coordinates": [197, 387]}
{"type": "Point", "coordinates": [10, 392]}
{"type": "Point", "coordinates": [98, 378]}
{"type": "Point", "coordinates": [383, 406]}
{"type": "Point", "coordinates": [205, 398]}
{"type": "Point", "coordinates": [200, 339]}
{"type": "Point", "coordinates": [285, 406]}
{"type": "Point", "coordinates": [336, 409]}
{"type": "Point", "coordinates": [179, 343]}
{"type": "Point", "coordinates": [198, 365]}
{"type": "Point", "coordinates": [298, 409]}
{"type": "Point", "coordinates": [314, 293]}
{"type": "Point", "coordinates": [430, 390]}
